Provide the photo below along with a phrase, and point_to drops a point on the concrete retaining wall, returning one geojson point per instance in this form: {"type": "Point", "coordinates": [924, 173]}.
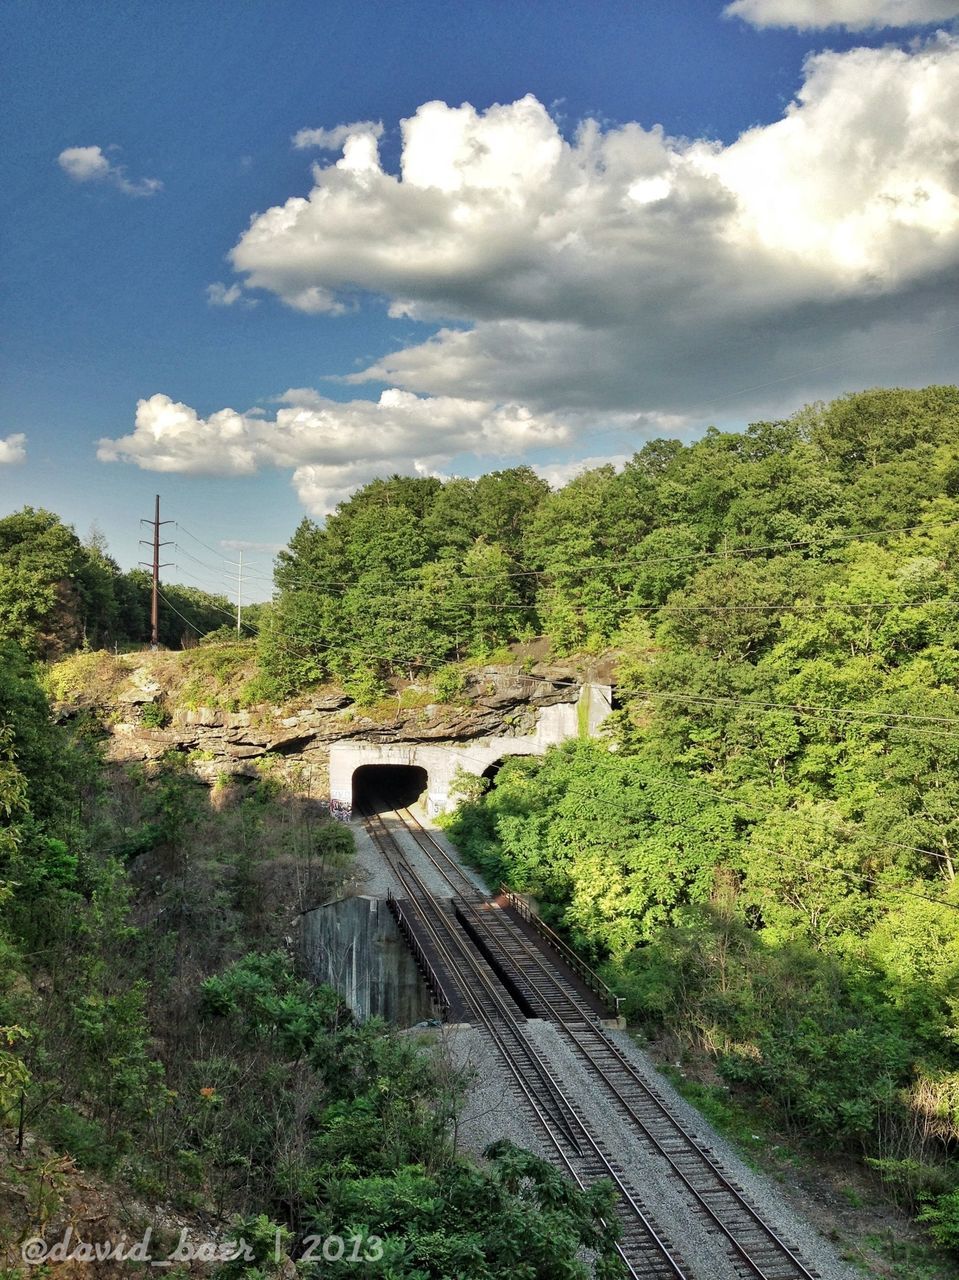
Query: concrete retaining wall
{"type": "Point", "coordinates": [355, 947]}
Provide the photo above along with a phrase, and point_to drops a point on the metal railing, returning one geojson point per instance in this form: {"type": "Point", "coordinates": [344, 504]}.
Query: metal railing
{"type": "Point", "coordinates": [433, 981]}
{"type": "Point", "coordinates": [589, 977]}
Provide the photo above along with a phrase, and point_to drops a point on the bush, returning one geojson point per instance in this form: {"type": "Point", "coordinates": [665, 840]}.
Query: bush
{"type": "Point", "coordinates": [448, 684]}
{"type": "Point", "coordinates": [153, 715]}
{"type": "Point", "coordinates": [942, 1219]}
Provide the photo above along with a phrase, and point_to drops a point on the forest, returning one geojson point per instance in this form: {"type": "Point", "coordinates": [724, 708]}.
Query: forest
{"type": "Point", "coordinates": [760, 853]}
{"type": "Point", "coordinates": [763, 853]}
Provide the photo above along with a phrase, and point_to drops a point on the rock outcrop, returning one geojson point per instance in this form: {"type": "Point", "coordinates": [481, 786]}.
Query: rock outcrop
{"type": "Point", "coordinates": [293, 743]}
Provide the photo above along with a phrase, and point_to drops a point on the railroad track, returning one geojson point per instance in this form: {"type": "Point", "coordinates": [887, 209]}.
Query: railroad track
{"type": "Point", "coordinates": [643, 1248]}
{"type": "Point", "coordinates": [753, 1246]}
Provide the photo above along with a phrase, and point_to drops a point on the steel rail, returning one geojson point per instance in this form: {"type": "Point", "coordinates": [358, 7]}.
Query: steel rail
{"type": "Point", "coordinates": [436, 925]}
{"type": "Point", "coordinates": [588, 976]}
{"type": "Point", "coordinates": [664, 1262]}
{"type": "Point", "coordinates": [482, 923]}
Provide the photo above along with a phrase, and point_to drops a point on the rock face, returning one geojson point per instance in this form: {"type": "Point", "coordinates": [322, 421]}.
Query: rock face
{"type": "Point", "coordinates": [293, 743]}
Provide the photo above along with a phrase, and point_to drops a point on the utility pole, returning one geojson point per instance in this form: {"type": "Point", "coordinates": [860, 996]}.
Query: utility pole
{"type": "Point", "coordinates": [156, 522]}
{"type": "Point", "coordinates": [239, 596]}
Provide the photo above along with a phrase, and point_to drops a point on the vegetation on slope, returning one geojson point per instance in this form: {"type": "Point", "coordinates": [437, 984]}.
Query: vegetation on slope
{"type": "Point", "coordinates": [763, 851]}
{"type": "Point", "coordinates": [155, 1033]}
{"type": "Point", "coordinates": [58, 594]}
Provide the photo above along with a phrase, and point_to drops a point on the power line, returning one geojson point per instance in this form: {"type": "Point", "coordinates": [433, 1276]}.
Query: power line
{"type": "Point", "coordinates": [799, 708]}
{"type": "Point", "coordinates": [862, 875]}
{"type": "Point", "coordinates": [215, 569]}
{"type": "Point", "coordinates": [596, 561]}
{"type": "Point", "coordinates": [214, 550]}
{"type": "Point", "coordinates": [179, 614]}
{"type": "Point", "coordinates": [218, 608]}
{"type": "Point", "coordinates": [781, 606]}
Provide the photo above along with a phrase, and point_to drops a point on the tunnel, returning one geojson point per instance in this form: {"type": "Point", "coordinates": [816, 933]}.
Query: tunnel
{"type": "Point", "coordinates": [491, 772]}
{"type": "Point", "coordinates": [378, 787]}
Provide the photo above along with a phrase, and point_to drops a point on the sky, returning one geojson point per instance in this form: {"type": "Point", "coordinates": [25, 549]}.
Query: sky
{"type": "Point", "coordinates": [254, 255]}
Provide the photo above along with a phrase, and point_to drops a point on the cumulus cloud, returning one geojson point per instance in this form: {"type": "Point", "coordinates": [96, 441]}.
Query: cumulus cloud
{"type": "Point", "coordinates": [855, 15]}
{"type": "Point", "coordinates": [13, 449]}
{"type": "Point", "coordinates": [624, 269]}
{"type": "Point", "coordinates": [331, 447]}
{"type": "Point", "coordinates": [90, 164]}
{"type": "Point", "coordinates": [616, 283]}
{"type": "Point", "coordinates": [218, 295]}
{"type": "Point", "coordinates": [334, 139]}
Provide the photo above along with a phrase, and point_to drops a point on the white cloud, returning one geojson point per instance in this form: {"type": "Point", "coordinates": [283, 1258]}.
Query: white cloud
{"type": "Point", "coordinates": [334, 139]}
{"type": "Point", "coordinates": [558, 474]}
{"type": "Point", "coordinates": [330, 446]}
{"type": "Point", "coordinates": [90, 164]}
{"type": "Point", "coordinates": [619, 284]}
{"type": "Point", "coordinates": [856, 15]}
{"type": "Point", "coordinates": [218, 295]}
{"type": "Point", "coordinates": [84, 164]}
{"type": "Point", "coordinates": [13, 450]}
{"type": "Point", "coordinates": [626, 270]}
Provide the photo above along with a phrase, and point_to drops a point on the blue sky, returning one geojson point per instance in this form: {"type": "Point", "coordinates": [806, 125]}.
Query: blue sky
{"type": "Point", "coordinates": [530, 291]}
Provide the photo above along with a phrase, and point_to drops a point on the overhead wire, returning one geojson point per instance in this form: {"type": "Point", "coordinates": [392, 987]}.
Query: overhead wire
{"type": "Point", "coordinates": [867, 719]}
{"type": "Point", "coordinates": [862, 875]}
{"type": "Point", "coordinates": [705, 793]}
{"type": "Point", "coordinates": [214, 550]}
{"type": "Point", "coordinates": [190, 624]}
{"type": "Point", "coordinates": [825, 541]}
{"type": "Point", "coordinates": [800, 708]}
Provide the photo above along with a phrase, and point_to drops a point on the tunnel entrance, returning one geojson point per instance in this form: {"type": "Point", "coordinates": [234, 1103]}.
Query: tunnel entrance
{"type": "Point", "coordinates": [491, 772]}
{"type": "Point", "coordinates": [378, 787]}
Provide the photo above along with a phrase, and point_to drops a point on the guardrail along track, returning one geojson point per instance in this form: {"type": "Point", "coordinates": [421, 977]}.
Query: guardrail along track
{"type": "Point", "coordinates": [753, 1246]}
{"type": "Point", "coordinates": [643, 1247]}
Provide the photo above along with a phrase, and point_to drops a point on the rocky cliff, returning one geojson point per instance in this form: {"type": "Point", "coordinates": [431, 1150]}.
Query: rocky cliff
{"type": "Point", "coordinates": [138, 702]}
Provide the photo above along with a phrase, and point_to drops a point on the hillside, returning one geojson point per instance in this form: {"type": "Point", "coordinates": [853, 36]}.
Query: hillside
{"type": "Point", "coordinates": [760, 853]}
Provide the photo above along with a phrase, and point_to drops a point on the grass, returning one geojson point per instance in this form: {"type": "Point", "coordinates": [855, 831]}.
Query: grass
{"type": "Point", "coordinates": [892, 1258]}
{"type": "Point", "coordinates": [97, 676]}
{"type": "Point", "coordinates": [214, 675]}
{"type": "Point", "coordinates": [723, 1112]}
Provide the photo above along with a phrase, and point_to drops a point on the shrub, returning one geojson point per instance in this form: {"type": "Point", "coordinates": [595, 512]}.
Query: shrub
{"type": "Point", "coordinates": [153, 715]}
{"type": "Point", "coordinates": [942, 1219]}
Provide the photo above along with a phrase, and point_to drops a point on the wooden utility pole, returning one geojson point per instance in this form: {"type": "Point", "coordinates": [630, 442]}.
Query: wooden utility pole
{"type": "Point", "coordinates": [156, 522]}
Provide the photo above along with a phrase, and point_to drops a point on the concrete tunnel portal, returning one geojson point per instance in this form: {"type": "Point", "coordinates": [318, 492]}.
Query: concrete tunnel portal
{"type": "Point", "coordinates": [430, 768]}
{"type": "Point", "coordinates": [378, 787]}
{"type": "Point", "coordinates": [354, 943]}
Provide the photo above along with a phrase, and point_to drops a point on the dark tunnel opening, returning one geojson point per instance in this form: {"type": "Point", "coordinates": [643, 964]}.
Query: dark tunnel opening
{"type": "Point", "coordinates": [378, 787]}
{"type": "Point", "coordinates": [491, 772]}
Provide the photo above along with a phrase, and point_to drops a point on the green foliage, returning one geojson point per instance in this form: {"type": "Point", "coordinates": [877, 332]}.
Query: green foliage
{"type": "Point", "coordinates": [153, 715]}
{"type": "Point", "coordinates": [58, 595]}
{"type": "Point", "coordinates": [765, 864]}
{"type": "Point", "coordinates": [621, 843]}
{"type": "Point", "coordinates": [519, 1216]}
{"type": "Point", "coordinates": [404, 577]}
{"type": "Point", "coordinates": [262, 994]}
{"type": "Point", "coordinates": [942, 1218]}
{"type": "Point", "coordinates": [760, 855]}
